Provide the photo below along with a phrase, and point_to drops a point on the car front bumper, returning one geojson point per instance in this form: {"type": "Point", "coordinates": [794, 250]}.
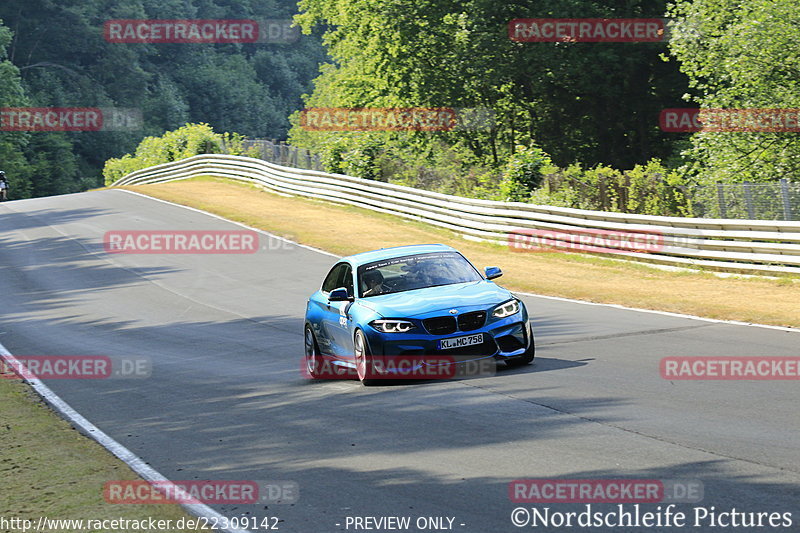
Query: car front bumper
{"type": "Point", "coordinates": [502, 339]}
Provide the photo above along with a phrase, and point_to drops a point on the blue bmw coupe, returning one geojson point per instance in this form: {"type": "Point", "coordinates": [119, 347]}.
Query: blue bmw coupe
{"type": "Point", "coordinates": [422, 303]}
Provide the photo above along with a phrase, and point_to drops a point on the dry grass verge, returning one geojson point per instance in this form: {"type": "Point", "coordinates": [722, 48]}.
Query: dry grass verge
{"type": "Point", "coordinates": [50, 470]}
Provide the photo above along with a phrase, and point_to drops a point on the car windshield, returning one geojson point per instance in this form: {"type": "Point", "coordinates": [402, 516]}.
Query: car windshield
{"type": "Point", "coordinates": [407, 273]}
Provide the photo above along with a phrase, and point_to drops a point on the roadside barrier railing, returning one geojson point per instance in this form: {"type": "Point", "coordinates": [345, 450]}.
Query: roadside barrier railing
{"type": "Point", "coordinates": [747, 246]}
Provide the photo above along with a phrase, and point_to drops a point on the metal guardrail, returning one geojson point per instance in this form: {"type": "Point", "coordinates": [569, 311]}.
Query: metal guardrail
{"type": "Point", "coordinates": [750, 246]}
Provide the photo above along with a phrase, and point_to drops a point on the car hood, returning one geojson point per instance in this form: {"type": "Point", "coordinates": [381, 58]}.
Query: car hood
{"type": "Point", "coordinates": [478, 294]}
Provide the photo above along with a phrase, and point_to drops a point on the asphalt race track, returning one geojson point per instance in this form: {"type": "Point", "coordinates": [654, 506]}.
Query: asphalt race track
{"type": "Point", "coordinates": [226, 398]}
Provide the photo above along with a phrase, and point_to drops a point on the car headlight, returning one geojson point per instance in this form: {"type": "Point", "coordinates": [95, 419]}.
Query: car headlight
{"type": "Point", "coordinates": [392, 326]}
{"type": "Point", "coordinates": [508, 308]}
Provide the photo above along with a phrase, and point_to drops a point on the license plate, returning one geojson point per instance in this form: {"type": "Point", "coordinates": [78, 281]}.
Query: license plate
{"type": "Point", "coordinates": [460, 342]}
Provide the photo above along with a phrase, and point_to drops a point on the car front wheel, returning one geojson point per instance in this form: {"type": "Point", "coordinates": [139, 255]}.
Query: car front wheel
{"type": "Point", "coordinates": [364, 363]}
{"type": "Point", "coordinates": [313, 358]}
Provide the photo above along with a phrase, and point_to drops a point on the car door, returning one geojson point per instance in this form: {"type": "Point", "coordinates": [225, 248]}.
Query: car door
{"type": "Point", "coordinates": [335, 322]}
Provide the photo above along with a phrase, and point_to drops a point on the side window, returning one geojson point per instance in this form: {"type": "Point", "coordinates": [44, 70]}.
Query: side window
{"type": "Point", "coordinates": [334, 278]}
{"type": "Point", "coordinates": [347, 280]}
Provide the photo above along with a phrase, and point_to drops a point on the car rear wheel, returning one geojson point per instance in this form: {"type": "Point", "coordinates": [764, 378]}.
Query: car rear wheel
{"type": "Point", "coordinates": [364, 363]}
{"type": "Point", "coordinates": [313, 358]}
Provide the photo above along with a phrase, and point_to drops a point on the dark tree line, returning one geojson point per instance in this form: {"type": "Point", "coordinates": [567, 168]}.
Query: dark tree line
{"type": "Point", "coordinates": [54, 54]}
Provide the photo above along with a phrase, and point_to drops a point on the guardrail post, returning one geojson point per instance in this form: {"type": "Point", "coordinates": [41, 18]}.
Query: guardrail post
{"type": "Point", "coordinates": [624, 198]}
{"type": "Point", "coordinates": [748, 200]}
{"type": "Point", "coordinates": [601, 186]}
{"type": "Point", "coordinates": [723, 211]}
{"type": "Point", "coordinates": [787, 204]}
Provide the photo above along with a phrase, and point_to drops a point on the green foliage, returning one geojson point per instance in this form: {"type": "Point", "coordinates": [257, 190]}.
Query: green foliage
{"type": "Point", "coordinates": [358, 155]}
{"type": "Point", "coordinates": [577, 101]}
{"type": "Point", "coordinates": [528, 176]}
{"type": "Point", "coordinates": [593, 104]}
{"type": "Point", "coordinates": [120, 167]}
{"type": "Point", "coordinates": [13, 144]}
{"type": "Point", "coordinates": [332, 155]}
{"type": "Point", "coordinates": [188, 141]}
{"type": "Point", "coordinates": [654, 190]}
{"type": "Point", "coordinates": [61, 59]}
{"type": "Point", "coordinates": [361, 160]}
{"type": "Point", "coordinates": [649, 189]}
{"type": "Point", "coordinates": [559, 102]}
{"type": "Point", "coordinates": [740, 55]}
{"type": "Point", "coordinates": [524, 172]}
{"type": "Point", "coordinates": [233, 143]}
{"type": "Point", "coordinates": [443, 167]}
{"type": "Point", "coordinates": [52, 162]}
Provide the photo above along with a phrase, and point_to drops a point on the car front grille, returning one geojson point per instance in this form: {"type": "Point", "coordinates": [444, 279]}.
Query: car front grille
{"type": "Point", "coordinates": [472, 320]}
{"type": "Point", "coordinates": [440, 325]}
{"type": "Point", "coordinates": [445, 325]}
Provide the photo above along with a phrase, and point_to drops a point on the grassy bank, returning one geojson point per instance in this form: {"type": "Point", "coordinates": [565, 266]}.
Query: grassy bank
{"type": "Point", "coordinates": [50, 470]}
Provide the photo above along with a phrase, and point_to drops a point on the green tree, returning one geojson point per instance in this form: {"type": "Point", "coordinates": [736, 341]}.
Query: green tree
{"type": "Point", "coordinates": [741, 55]}
{"type": "Point", "coordinates": [62, 59]}
{"type": "Point", "coordinates": [523, 173]}
{"type": "Point", "coordinates": [592, 102]}
{"type": "Point", "coordinates": [187, 141]}
{"type": "Point", "coordinates": [12, 144]}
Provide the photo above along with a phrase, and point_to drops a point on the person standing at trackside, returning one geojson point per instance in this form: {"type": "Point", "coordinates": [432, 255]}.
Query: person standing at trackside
{"type": "Point", "coordinates": [3, 186]}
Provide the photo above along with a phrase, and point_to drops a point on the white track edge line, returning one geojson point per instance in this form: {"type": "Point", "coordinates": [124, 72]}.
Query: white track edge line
{"type": "Point", "coordinates": [558, 298]}
{"type": "Point", "coordinates": [121, 452]}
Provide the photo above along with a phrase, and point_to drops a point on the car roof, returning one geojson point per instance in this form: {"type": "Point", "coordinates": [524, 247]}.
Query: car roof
{"type": "Point", "coordinates": [397, 251]}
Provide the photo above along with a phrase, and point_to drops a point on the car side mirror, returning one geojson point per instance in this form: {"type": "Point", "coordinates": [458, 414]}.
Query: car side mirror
{"type": "Point", "coordinates": [492, 272]}
{"type": "Point", "coordinates": [339, 295]}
